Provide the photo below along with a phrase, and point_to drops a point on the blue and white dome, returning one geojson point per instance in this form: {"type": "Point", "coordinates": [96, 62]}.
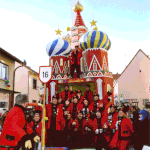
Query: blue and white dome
{"type": "Point", "coordinates": [58, 47]}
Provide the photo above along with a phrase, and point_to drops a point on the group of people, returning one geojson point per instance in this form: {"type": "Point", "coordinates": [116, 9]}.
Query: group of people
{"type": "Point", "coordinates": [77, 121]}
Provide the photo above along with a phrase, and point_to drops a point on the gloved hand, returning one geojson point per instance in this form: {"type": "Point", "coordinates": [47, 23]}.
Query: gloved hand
{"type": "Point", "coordinates": [36, 139]}
{"type": "Point", "coordinates": [28, 144]}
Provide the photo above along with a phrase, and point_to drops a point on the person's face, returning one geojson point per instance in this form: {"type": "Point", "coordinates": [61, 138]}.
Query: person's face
{"type": "Point", "coordinates": [95, 98]}
{"type": "Point", "coordinates": [60, 100]}
{"type": "Point", "coordinates": [54, 101]}
{"type": "Point", "coordinates": [75, 100]}
{"type": "Point", "coordinates": [26, 104]}
{"type": "Point", "coordinates": [66, 87]}
{"type": "Point", "coordinates": [80, 115]}
{"type": "Point", "coordinates": [36, 118]}
{"type": "Point", "coordinates": [85, 102]}
{"type": "Point", "coordinates": [140, 116]}
{"type": "Point", "coordinates": [67, 102]}
{"type": "Point", "coordinates": [98, 114]}
{"type": "Point", "coordinates": [112, 109]}
{"type": "Point", "coordinates": [121, 113]}
{"type": "Point", "coordinates": [76, 48]}
{"type": "Point", "coordinates": [87, 88]}
{"type": "Point", "coordinates": [69, 116]}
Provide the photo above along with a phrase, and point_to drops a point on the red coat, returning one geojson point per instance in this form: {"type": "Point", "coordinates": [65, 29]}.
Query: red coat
{"type": "Point", "coordinates": [79, 55]}
{"type": "Point", "coordinates": [14, 126]}
{"type": "Point", "coordinates": [81, 100]}
{"type": "Point", "coordinates": [60, 123]}
{"type": "Point", "coordinates": [103, 121]}
{"type": "Point", "coordinates": [90, 96]}
{"type": "Point", "coordinates": [79, 107]}
{"type": "Point", "coordinates": [92, 105]}
{"type": "Point", "coordinates": [62, 94]}
{"type": "Point", "coordinates": [126, 129]}
{"type": "Point", "coordinates": [88, 123]}
{"type": "Point", "coordinates": [38, 129]}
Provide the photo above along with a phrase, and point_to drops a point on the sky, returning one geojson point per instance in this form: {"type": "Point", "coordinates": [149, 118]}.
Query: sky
{"type": "Point", "coordinates": [27, 26]}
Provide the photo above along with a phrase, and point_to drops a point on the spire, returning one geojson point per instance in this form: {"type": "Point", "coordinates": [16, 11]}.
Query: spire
{"type": "Point", "coordinates": [78, 21]}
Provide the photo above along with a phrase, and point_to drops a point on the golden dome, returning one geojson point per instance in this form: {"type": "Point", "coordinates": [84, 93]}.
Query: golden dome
{"type": "Point", "coordinates": [78, 7]}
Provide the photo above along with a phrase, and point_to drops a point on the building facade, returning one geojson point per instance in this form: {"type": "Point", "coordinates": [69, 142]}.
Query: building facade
{"type": "Point", "coordinates": [134, 82]}
{"type": "Point", "coordinates": [7, 67]}
{"type": "Point", "coordinates": [27, 82]}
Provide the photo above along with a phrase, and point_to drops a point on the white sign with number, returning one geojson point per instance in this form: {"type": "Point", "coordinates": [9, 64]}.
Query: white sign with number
{"type": "Point", "coordinates": [45, 73]}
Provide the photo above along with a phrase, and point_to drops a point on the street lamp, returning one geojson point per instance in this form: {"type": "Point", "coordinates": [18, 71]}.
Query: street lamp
{"type": "Point", "coordinates": [23, 63]}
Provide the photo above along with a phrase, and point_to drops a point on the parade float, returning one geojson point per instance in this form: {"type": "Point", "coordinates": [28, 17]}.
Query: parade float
{"type": "Point", "coordinates": [94, 63]}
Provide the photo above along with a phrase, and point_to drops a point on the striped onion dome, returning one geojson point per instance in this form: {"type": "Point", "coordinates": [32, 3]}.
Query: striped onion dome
{"type": "Point", "coordinates": [94, 39]}
{"type": "Point", "coordinates": [58, 47]}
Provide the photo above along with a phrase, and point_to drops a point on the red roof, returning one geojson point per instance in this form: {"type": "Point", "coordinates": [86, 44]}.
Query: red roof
{"type": "Point", "coordinates": [79, 20]}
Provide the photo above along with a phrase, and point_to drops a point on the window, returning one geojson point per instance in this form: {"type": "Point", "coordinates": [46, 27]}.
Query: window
{"type": "Point", "coordinates": [3, 71]}
{"type": "Point", "coordinates": [65, 70]}
{"type": "Point", "coordinates": [61, 62]}
{"type": "Point", "coordinates": [51, 62]}
{"type": "Point", "coordinates": [94, 67]}
{"type": "Point", "coordinates": [34, 83]}
{"type": "Point", "coordinates": [56, 70]}
{"type": "Point", "coordinates": [33, 101]}
{"type": "Point", "coordinates": [42, 84]}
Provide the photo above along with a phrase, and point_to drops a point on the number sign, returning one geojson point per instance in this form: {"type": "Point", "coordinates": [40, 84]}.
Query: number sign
{"type": "Point", "coordinates": [45, 73]}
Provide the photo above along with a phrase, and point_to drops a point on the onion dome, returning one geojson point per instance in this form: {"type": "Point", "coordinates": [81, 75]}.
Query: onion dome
{"type": "Point", "coordinates": [94, 39]}
{"type": "Point", "coordinates": [78, 7]}
{"type": "Point", "coordinates": [58, 47]}
{"type": "Point", "coordinates": [67, 38]}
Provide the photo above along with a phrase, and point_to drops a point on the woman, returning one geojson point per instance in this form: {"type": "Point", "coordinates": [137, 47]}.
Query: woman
{"type": "Point", "coordinates": [124, 129]}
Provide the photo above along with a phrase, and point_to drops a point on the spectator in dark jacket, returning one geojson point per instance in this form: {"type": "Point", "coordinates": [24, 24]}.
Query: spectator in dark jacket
{"type": "Point", "coordinates": [143, 131]}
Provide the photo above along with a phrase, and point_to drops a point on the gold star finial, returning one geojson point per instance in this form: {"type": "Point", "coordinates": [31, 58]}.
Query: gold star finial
{"type": "Point", "coordinates": [93, 23]}
{"type": "Point", "coordinates": [58, 31]}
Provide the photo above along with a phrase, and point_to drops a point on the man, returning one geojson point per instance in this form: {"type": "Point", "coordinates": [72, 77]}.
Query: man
{"type": "Point", "coordinates": [36, 126]}
{"type": "Point", "coordinates": [80, 97]}
{"type": "Point", "coordinates": [97, 104]}
{"type": "Point", "coordinates": [88, 94]}
{"type": "Point", "coordinates": [75, 61]}
{"type": "Point", "coordinates": [99, 125]}
{"type": "Point", "coordinates": [112, 119]}
{"type": "Point", "coordinates": [16, 131]}
{"type": "Point", "coordinates": [65, 94]}
{"type": "Point", "coordinates": [75, 107]}
{"type": "Point", "coordinates": [55, 123]}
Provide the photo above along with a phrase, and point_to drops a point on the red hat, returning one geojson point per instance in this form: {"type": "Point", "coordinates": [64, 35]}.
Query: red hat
{"type": "Point", "coordinates": [80, 111]}
{"type": "Point", "coordinates": [79, 91]}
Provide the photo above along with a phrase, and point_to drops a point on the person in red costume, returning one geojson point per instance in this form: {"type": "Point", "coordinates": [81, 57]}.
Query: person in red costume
{"type": "Point", "coordinates": [124, 129]}
{"type": "Point", "coordinates": [75, 61]}
{"type": "Point", "coordinates": [75, 107]}
{"type": "Point", "coordinates": [112, 119]}
{"type": "Point", "coordinates": [85, 108]}
{"type": "Point", "coordinates": [65, 94]}
{"type": "Point", "coordinates": [55, 123]}
{"type": "Point", "coordinates": [100, 127]}
{"type": "Point", "coordinates": [96, 105]}
{"type": "Point", "coordinates": [36, 126]}
{"type": "Point", "coordinates": [16, 131]}
{"type": "Point", "coordinates": [80, 127]}
{"type": "Point", "coordinates": [66, 108]}
{"type": "Point", "coordinates": [80, 97]}
{"type": "Point", "coordinates": [88, 94]}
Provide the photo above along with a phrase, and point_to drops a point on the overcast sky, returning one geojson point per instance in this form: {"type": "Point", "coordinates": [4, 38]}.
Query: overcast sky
{"type": "Point", "coordinates": [27, 26]}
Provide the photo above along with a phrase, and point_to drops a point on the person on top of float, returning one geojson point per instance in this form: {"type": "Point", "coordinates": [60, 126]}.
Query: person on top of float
{"type": "Point", "coordinates": [88, 94]}
{"type": "Point", "coordinates": [124, 128]}
{"type": "Point", "coordinates": [75, 61]}
{"type": "Point", "coordinates": [16, 131]}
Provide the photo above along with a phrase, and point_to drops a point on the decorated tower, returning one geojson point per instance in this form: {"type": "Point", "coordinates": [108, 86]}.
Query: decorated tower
{"type": "Point", "coordinates": [79, 27]}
